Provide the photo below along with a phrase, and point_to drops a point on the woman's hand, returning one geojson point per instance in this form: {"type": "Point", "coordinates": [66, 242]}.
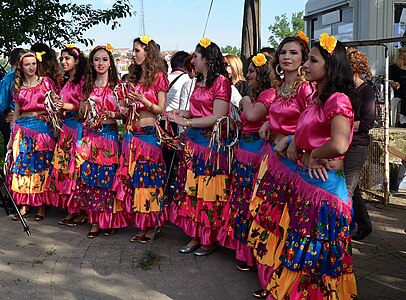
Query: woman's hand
{"type": "Point", "coordinates": [318, 167]}
{"type": "Point", "coordinates": [9, 144]}
{"type": "Point", "coordinates": [59, 103]}
{"type": "Point", "coordinates": [281, 146]}
{"type": "Point", "coordinates": [181, 112]}
{"type": "Point", "coordinates": [176, 119]}
{"type": "Point", "coordinates": [82, 109]}
{"type": "Point", "coordinates": [137, 97]}
{"type": "Point", "coordinates": [293, 152]}
{"type": "Point", "coordinates": [265, 132]}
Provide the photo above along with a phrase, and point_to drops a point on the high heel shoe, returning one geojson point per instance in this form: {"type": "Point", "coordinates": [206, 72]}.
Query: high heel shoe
{"type": "Point", "coordinates": [75, 222]}
{"type": "Point", "coordinates": [145, 239]}
{"type": "Point", "coordinates": [93, 234]}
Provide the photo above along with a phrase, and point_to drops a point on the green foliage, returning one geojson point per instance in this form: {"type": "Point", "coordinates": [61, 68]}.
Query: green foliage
{"type": "Point", "coordinates": [231, 50]}
{"type": "Point", "coordinates": [54, 23]}
{"type": "Point", "coordinates": [282, 27]}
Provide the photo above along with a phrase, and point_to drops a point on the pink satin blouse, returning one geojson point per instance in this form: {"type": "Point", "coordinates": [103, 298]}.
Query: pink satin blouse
{"type": "Point", "coordinates": [103, 97]}
{"type": "Point", "coordinates": [202, 98]}
{"type": "Point", "coordinates": [73, 93]}
{"type": "Point", "coordinates": [314, 125]}
{"type": "Point", "coordinates": [161, 84]}
{"type": "Point", "coordinates": [32, 99]}
{"type": "Point", "coordinates": [266, 97]}
{"type": "Point", "coordinates": [284, 112]}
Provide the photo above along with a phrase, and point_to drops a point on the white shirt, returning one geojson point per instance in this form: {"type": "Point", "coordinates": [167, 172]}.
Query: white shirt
{"type": "Point", "coordinates": [172, 97]}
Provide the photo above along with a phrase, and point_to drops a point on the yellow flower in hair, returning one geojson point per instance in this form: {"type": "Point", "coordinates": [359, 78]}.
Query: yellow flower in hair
{"type": "Point", "coordinates": [302, 36]}
{"type": "Point", "coordinates": [205, 42]}
{"type": "Point", "coordinates": [109, 47]}
{"type": "Point", "coordinates": [259, 59]}
{"type": "Point", "coordinates": [145, 39]}
{"type": "Point", "coordinates": [38, 55]}
{"type": "Point", "coordinates": [328, 42]}
{"type": "Point", "coordinates": [70, 46]}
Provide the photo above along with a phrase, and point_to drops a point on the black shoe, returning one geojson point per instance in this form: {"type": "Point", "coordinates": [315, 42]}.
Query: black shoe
{"type": "Point", "coordinates": [362, 234]}
{"type": "Point", "coordinates": [245, 267]}
{"type": "Point", "coordinates": [260, 294]}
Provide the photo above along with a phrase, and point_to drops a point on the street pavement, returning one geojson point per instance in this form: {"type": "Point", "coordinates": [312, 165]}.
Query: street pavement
{"type": "Point", "coordinates": [60, 262]}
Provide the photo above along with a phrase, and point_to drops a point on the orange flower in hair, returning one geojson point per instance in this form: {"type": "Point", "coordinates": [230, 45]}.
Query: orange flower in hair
{"type": "Point", "coordinates": [109, 47]}
{"type": "Point", "coordinates": [38, 55]}
{"type": "Point", "coordinates": [205, 42]}
{"type": "Point", "coordinates": [145, 39]}
{"type": "Point", "coordinates": [302, 36]}
{"type": "Point", "coordinates": [328, 42]}
{"type": "Point", "coordinates": [70, 46]}
{"type": "Point", "coordinates": [259, 59]}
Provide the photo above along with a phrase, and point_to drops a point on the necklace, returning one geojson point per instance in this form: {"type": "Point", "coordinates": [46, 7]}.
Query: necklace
{"type": "Point", "coordinates": [30, 84]}
{"type": "Point", "coordinates": [286, 91]}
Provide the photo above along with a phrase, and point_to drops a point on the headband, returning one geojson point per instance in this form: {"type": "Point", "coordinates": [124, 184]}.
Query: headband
{"type": "Point", "coordinates": [73, 48]}
{"type": "Point", "coordinates": [37, 55]}
{"type": "Point", "coordinates": [108, 47]}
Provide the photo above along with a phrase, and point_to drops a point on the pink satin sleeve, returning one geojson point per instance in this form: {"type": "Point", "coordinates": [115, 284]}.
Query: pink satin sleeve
{"type": "Point", "coordinates": [314, 125]}
{"type": "Point", "coordinates": [202, 98]}
{"type": "Point", "coordinates": [284, 112]}
{"type": "Point", "coordinates": [32, 99]}
{"type": "Point", "coordinates": [104, 100]}
{"type": "Point", "coordinates": [266, 97]}
{"type": "Point", "coordinates": [73, 93]}
{"type": "Point", "coordinates": [161, 84]}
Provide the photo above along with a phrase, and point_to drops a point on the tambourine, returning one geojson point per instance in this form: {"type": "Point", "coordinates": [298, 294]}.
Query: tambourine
{"type": "Point", "coordinates": [52, 109]}
{"type": "Point", "coordinates": [91, 115]}
{"type": "Point", "coordinates": [166, 136]}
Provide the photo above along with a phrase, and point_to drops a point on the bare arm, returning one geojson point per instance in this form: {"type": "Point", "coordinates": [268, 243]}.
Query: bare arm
{"type": "Point", "coordinates": [253, 111]}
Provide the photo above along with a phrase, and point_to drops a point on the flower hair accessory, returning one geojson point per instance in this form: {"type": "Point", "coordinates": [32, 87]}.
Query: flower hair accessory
{"type": "Point", "coordinates": [205, 42]}
{"type": "Point", "coordinates": [302, 36]}
{"type": "Point", "coordinates": [259, 59]}
{"type": "Point", "coordinates": [108, 47]}
{"type": "Point", "coordinates": [73, 48]}
{"type": "Point", "coordinates": [39, 55]}
{"type": "Point", "coordinates": [328, 42]}
{"type": "Point", "coordinates": [70, 46]}
{"type": "Point", "coordinates": [145, 39]}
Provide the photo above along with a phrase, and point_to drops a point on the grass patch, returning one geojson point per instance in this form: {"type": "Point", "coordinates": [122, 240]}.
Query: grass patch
{"type": "Point", "coordinates": [149, 260]}
{"type": "Point", "coordinates": [51, 252]}
{"type": "Point", "coordinates": [37, 262]}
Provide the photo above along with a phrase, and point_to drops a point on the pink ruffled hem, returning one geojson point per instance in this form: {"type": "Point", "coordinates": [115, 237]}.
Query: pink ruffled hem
{"type": "Point", "coordinates": [264, 275]}
{"type": "Point", "coordinates": [244, 253]}
{"type": "Point", "coordinates": [226, 240]}
{"type": "Point", "coordinates": [207, 236]}
{"type": "Point", "coordinates": [109, 220]}
{"type": "Point", "coordinates": [34, 199]}
{"type": "Point", "coordinates": [65, 202]}
{"type": "Point", "coordinates": [145, 221]}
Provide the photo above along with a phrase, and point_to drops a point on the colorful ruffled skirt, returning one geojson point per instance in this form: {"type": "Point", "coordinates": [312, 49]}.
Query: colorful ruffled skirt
{"type": "Point", "coordinates": [300, 233]}
{"type": "Point", "coordinates": [33, 150]}
{"type": "Point", "coordinates": [202, 187]}
{"type": "Point", "coordinates": [237, 218]}
{"type": "Point", "coordinates": [98, 159]}
{"type": "Point", "coordinates": [140, 179]}
{"type": "Point", "coordinates": [65, 171]}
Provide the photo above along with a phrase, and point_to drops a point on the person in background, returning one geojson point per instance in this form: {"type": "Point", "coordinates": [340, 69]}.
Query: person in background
{"type": "Point", "coordinates": [397, 79]}
{"type": "Point", "coordinates": [49, 65]}
{"type": "Point", "coordinates": [364, 117]}
{"type": "Point", "coordinates": [177, 78]}
{"type": "Point", "coordinates": [6, 96]}
{"type": "Point", "coordinates": [268, 51]}
{"type": "Point", "coordinates": [188, 86]}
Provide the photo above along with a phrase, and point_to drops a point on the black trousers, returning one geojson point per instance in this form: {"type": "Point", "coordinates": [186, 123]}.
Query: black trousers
{"type": "Point", "coordinates": [353, 163]}
{"type": "Point", "coordinates": [5, 131]}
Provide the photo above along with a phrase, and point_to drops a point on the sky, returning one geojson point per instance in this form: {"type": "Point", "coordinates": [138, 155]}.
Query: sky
{"type": "Point", "coordinates": [179, 24]}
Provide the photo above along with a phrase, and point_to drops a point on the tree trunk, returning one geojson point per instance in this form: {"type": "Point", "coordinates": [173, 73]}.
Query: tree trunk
{"type": "Point", "coordinates": [251, 31]}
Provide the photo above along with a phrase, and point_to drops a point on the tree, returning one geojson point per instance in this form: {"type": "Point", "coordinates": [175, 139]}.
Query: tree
{"type": "Point", "coordinates": [231, 50]}
{"type": "Point", "coordinates": [283, 28]}
{"type": "Point", "coordinates": [54, 23]}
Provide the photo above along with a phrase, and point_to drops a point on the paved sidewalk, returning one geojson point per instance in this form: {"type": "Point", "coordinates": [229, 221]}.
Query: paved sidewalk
{"type": "Point", "coordinates": [60, 262]}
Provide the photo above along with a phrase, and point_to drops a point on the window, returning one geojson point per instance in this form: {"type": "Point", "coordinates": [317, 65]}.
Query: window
{"type": "Point", "coordinates": [399, 22]}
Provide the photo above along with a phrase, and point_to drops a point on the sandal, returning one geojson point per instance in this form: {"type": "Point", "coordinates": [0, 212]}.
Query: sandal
{"type": "Point", "coordinates": [41, 213]}
{"type": "Point", "coordinates": [66, 220]}
{"type": "Point", "coordinates": [145, 239]}
{"type": "Point", "coordinates": [25, 215]}
{"type": "Point", "coordinates": [137, 237]}
{"type": "Point", "coordinates": [110, 231]}
{"type": "Point", "coordinates": [76, 221]}
{"type": "Point", "coordinates": [93, 234]}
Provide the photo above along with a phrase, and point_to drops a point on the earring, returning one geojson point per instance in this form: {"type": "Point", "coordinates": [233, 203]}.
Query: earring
{"type": "Point", "coordinates": [279, 71]}
{"type": "Point", "coordinates": [299, 71]}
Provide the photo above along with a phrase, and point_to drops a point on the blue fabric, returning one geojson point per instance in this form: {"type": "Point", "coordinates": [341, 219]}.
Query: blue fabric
{"type": "Point", "coordinates": [96, 175]}
{"type": "Point", "coordinates": [6, 92]}
{"type": "Point", "coordinates": [35, 123]}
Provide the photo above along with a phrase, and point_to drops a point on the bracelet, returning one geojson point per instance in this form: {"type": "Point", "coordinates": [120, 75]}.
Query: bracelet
{"type": "Point", "coordinates": [289, 139]}
{"type": "Point", "coordinates": [189, 123]}
{"type": "Point", "coordinates": [151, 107]}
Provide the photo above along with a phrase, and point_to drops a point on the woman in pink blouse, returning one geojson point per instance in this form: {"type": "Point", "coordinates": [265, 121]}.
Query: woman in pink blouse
{"type": "Point", "coordinates": [141, 175]}
{"type": "Point", "coordinates": [32, 138]}
{"type": "Point", "coordinates": [202, 187]}
{"type": "Point", "coordinates": [98, 151]}
{"type": "Point", "coordinates": [237, 221]}
{"type": "Point", "coordinates": [65, 172]}
{"type": "Point", "coordinates": [292, 95]}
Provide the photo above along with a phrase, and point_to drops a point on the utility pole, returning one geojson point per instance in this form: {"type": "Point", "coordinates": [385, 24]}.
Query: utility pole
{"type": "Point", "coordinates": [142, 21]}
{"type": "Point", "coordinates": [251, 30]}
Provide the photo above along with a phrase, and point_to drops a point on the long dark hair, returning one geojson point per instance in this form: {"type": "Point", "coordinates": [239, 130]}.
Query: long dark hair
{"type": "Point", "coordinates": [50, 65]}
{"type": "Point", "coordinates": [215, 63]}
{"type": "Point", "coordinates": [91, 73]}
{"type": "Point", "coordinates": [339, 75]}
{"type": "Point", "coordinates": [154, 63]}
{"type": "Point", "coordinates": [263, 76]}
{"type": "Point", "coordinates": [80, 68]}
{"type": "Point", "coordinates": [276, 79]}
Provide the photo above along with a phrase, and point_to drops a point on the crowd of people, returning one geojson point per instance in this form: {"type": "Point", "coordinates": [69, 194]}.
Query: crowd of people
{"type": "Point", "coordinates": [280, 197]}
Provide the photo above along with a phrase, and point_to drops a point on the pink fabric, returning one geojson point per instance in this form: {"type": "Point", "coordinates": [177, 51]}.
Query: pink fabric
{"type": "Point", "coordinates": [318, 116]}
{"type": "Point", "coordinates": [32, 99]}
{"type": "Point", "coordinates": [34, 199]}
{"type": "Point", "coordinates": [266, 97]}
{"type": "Point", "coordinates": [244, 253]}
{"type": "Point", "coordinates": [161, 84]}
{"type": "Point", "coordinates": [73, 93]}
{"type": "Point", "coordinates": [103, 97]}
{"type": "Point", "coordinates": [225, 239]}
{"type": "Point", "coordinates": [109, 220]}
{"type": "Point", "coordinates": [284, 112]}
{"type": "Point", "coordinates": [202, 98]}
{"type": "Point", "coordinates": [264, 275]}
